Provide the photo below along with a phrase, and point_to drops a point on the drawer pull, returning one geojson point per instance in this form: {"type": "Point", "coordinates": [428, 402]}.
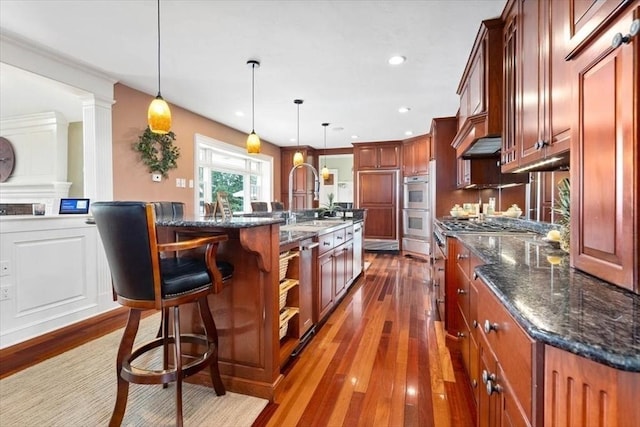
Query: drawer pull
{"type": "Point", "coordinates": [488, 327]}
{"type": "Point", "coordinates": [462, 256]}
{"type": "Point", "coordinates": [460, 335]}
{"type": "Point", "coordinates": [486, 376]}
{"type": "Point", "coordinates": [475, 324]}
{"type": "Point", "coordinates": [475, 276]}
{"type": "Point", "coordinates": [493, 388]}
{"type": "Point", "coordinates": [326, 243]}
{"type": "Point", "coordinates": [474, 383]}
{"type": "Point", "coordinates": [461, 291]}
{"type": "Point", "coordinates": [440, 268]}
{"type": "Point", "coordinates": [440, 300]}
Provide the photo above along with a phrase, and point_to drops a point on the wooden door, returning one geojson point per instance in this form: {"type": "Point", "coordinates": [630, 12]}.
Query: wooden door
{"type": "Point", "coordinates": [378, 193]}
{"type": "Point", "coordinates": [530, 107]}
{"type": "Point", "coordinates": [604, 157]}
{"type": "Point", "coordinates": [365, 157]}
{"type": "Point", "coordinates": [389, 156]}
{"type": "Point", "coordinates": [325, 285]}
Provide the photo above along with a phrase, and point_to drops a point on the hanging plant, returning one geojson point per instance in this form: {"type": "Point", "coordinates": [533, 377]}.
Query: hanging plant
{"type": "Point", "coordinates": [157, 151]}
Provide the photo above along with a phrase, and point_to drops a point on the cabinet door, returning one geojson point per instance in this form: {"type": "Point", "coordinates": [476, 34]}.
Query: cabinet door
{"type": "Point", "coordinates": [511, 68]}
{"type": "Point", "coordinates": [340, 281]}
{"type": "Point", "coordinates": [389, 157]}
{"type": "Point", "coordinates": [421, 155]}
{"type": "Point", "coordinates": [366, 158]}
{"type": "Point", "coordinates": [604, 172]}
{"type": "Point", "coordinates": [530, 105]}
{"type": "Point", "coordinates": [325, 285]}
{"type": "Point", "coordinates": [377, 192]}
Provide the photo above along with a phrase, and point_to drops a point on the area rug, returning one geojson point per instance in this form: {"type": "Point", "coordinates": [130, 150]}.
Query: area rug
{"type": "Point", "coordinates": [78, 388]}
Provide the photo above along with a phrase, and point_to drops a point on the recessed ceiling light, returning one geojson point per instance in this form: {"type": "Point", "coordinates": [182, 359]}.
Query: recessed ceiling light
{"type": "Point", "coordinates": [239, 114]}
{"type": "Point", "coordinates": [408, 133]}
{"type": "Point", "coordinates": [354, 137]}
{"type": "Point", "coordinates": [397, 60]}
{"type": "Point", "coordinates": [404, 109]}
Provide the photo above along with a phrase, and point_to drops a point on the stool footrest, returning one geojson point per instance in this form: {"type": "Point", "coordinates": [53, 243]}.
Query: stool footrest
{"type": "Point", "coordinates": [137, 375]}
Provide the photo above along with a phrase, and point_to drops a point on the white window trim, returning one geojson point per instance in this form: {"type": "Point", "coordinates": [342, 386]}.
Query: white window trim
{"type": "Point", "coordinates": [267, 171]}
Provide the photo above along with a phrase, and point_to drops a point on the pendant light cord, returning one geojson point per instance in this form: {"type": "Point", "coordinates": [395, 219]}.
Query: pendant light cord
{"type": "Point", "coordinates": [253, 103]}
{"type": "Point", "coordinates": [159, 48]}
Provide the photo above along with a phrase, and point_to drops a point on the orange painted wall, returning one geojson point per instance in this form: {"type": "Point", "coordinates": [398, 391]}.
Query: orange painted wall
{"type": "Point", "coordinates": [132, 181]}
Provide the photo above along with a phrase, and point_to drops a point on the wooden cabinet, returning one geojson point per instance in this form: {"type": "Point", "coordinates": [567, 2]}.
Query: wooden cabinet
{"type": "Point", "coordinates": [302, 179]}
{"type": "Point", "coordinates": [415, 155]}
{"type": "Point", "coordinates": [537, 88]}
{"type": "Point", "coordinates": [377, 192]}
{"type": "Point", "coordinates": [604, 155]}
{"type": "Point", "coordinates": [335, 269]}
{"type": "Point", "coordinates": [381, 155]}
{"type": "Point", "coordinates": [438, 278]}
{"type": "Point", "coordinates": [579, 391]}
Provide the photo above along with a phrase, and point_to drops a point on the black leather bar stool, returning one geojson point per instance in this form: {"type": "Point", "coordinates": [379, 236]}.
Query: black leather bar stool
{"type": "Point", "coordinates": [259, 207]}
{"type": "Point", "coordinates": [142, 280]}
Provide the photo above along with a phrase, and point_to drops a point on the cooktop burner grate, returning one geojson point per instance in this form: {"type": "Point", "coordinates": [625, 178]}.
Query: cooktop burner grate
{"type": "Point", "coordinates": [479, 227]}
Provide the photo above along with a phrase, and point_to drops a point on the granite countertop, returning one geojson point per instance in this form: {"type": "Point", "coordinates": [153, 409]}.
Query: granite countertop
{"type": "Point", "coordinates": [206, 221]}
{"type": "Point", "coordinates": [559, 305]}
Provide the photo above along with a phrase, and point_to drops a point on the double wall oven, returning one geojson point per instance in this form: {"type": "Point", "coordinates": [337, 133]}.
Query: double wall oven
{"type": "Point", "coordinates": [416, 216]}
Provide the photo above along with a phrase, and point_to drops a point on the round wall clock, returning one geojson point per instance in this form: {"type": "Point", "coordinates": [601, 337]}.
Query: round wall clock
{"type": "Point", "coordinates": [7, 159]}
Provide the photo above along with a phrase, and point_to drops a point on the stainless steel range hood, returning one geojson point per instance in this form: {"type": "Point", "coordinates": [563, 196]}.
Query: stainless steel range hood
{"type": "Point", "coordinates": [486, 146]}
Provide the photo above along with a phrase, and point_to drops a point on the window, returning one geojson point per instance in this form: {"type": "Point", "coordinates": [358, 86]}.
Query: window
{"type": "Point", "coordinates": [224, 167]}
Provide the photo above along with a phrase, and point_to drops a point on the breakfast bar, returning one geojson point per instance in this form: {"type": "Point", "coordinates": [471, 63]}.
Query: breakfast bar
{"type": "Point", "coordinates": [248, 311]}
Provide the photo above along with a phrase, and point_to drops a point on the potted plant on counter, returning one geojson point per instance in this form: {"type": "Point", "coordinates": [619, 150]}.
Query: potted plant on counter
{"type": "Point", "coordinates": [330, 209]}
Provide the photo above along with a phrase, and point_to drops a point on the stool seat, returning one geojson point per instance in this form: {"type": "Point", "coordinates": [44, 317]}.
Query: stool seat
{"type": "Point", "coordinates": [143, 278]}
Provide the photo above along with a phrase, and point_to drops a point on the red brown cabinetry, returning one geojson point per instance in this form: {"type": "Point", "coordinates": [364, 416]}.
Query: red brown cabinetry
{"type": "Point", "coordinates": [604, 154]}
{"type": "Point", "coordinates": [536, 84]}
{"type": "Point", "coordinates": [381, 155]}
{"type": "Point", "coordinates": [415, 155]}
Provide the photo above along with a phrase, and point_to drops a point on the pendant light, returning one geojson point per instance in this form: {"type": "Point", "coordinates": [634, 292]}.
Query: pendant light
{"type": "Point", "coordinates": [297, 157]}
{"type": "Point", "coordinates": [159, 115]}
{"type": "Point", "coordinates": [325, 169]}
{"type": "Point", "coordinates": [253, 141]}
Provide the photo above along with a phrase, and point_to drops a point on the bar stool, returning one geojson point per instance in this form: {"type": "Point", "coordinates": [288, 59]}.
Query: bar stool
{"type": "Point", "coordinates": [259, 207]}
{"type": "Point", "coordinates": [142, 280]}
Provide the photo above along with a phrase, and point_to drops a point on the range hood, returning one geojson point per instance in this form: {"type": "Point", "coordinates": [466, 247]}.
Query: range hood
{"type": "Point", "coordinates": [486, 146]}
{"type": "Point", "coordinates": [477, 138]}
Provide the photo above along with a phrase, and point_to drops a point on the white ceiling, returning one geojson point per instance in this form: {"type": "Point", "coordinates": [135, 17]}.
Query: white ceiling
{"type": "Point", "coordinates": [331, 54]}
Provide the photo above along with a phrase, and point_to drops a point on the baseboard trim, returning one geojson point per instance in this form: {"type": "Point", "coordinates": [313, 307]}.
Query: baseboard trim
{"type": "Point", "coordinates": [28, 353]}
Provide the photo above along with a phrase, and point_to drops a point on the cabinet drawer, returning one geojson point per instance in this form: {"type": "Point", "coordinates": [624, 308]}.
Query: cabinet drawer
{"type": "Point", "coordinates": [462, 258]}
{"type": "Point", "coordinates": [462, 293]}
{"type": "Point", "coordinates": [339, 237]}
{"type": "Point", "coordinates": [326, 243]}
{"type": "Point", "coordinates": [348, 233]}
{"type": "Point", "coordinates": [511, 345]}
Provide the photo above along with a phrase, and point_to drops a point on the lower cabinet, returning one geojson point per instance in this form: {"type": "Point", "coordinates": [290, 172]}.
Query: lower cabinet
{"type": "Point", "coordinates": [335, 269]}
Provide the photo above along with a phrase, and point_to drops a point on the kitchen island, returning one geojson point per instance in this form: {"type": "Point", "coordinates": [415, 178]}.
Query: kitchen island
{"type": "Point", "coordinates": [548, 342]}
{"type": "Point", "coordinates": [253, 344]}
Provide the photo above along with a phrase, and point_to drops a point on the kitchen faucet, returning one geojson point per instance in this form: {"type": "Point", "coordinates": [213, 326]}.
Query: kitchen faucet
{"type": "Point", "coordinates": [316, 191]}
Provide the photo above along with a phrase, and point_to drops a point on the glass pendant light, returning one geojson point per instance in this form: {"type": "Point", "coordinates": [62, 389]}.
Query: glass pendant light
{"type": "Point", "coordinates": [253, 141]}
{"type": "Point", "coordinates": [159, 115]}
{"type": "Point", "coordinates": [325, 169]}
{"type": "Point", "coordinates": [297, 157]}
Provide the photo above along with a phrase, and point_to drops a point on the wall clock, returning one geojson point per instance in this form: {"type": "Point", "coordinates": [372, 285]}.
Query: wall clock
{"type": "Point", "coordinates": [7, 159]}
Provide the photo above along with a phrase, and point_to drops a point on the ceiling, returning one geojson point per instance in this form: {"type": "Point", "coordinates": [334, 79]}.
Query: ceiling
{"type": "Point", "coordinates": [331, 54]}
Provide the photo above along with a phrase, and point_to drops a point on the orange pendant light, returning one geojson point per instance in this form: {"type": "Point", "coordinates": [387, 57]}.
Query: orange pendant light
{"type": "Point", "coordinates": [298, 159]}
{"type": "Point", "coordinates": [159, 115]}
{"type": "Point", "coordinates": [253, 141]}
{"type": "Point", "coordinates": [325, 169]}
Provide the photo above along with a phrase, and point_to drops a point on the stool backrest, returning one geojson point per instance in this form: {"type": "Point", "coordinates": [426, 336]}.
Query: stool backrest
{"type": "Point", "coordinates": [259, 206]}
{"type": "Point", "coordinates": [173, 210]}
{"type": "Point", "coordinates": [128, 234]}
{"type": "Point", "coordinates": [277, 206]}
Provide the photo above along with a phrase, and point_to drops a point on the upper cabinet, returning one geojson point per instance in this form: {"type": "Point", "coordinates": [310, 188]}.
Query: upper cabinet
{"type": "Point", "coordinates": [604, 152]}
{"type": "Point", "coordinates": [415, 155]}
{"type": "Point", "coordinates": [537, 89]}
{"type": "Point", "coordinates": [480, 90]}
{"type": "Point", "coordinates": [378, 155]}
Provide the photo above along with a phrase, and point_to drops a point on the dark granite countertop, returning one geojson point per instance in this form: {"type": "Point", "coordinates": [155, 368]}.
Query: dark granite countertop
{"type": "Point", "coordinates": [559, 305]}
{"type": "Point", "coordinates": [205, 221]}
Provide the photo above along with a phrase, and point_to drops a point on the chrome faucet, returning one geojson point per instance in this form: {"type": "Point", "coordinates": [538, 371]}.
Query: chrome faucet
{"type": "Point", "coordinates": [316, 190]}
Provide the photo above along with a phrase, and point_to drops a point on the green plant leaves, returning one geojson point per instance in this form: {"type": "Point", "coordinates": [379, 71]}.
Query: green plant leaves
{"type": "Point", "coordinates": [157, 151]}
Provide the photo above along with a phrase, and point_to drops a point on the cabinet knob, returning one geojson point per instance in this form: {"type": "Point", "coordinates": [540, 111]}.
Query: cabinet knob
{"type": "Point", "coordinates": [475, 276]}
{"type": "Point", "coordinates": [493, 388]}
{"type": "Point", "coordinates": [540, 144]}
{"type": "Point", "coordinates": [440, 268]}
{"type": "Point", "coordinates": [488, 326]}
{"type": "Point", "coordinates": [475, 324]}
{"type": "Point", "coordinates": [487, 376]}
{"type": "Point", "coordinates": [461, 291]}
{"type": "Point", "coordinates": [618, 39]}
{"type": "Point", "coordinates": [474, 383]}
{"type": "Point", "coordinates": [460, 335]}
{"type": "Point", "coordinates": [462, 256]}
{"type": "Point", "coordinates": [440, 300]}
{"type": "Point", "coordinates": [326, 243]}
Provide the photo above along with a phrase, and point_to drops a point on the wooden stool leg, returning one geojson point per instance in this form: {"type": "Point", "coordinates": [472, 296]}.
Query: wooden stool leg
{"type": "Point", "coordinates": [124, 351]}
{"type": "Point", "coordinates": [212, 336]}
{"type": "Point", "coordinates": [178, 364]}
{"type": "Point", "coordinates": [165, 341]}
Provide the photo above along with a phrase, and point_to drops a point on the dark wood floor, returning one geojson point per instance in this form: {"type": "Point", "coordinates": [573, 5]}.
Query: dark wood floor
{"type": "Point", "coordinates": [379, 360]}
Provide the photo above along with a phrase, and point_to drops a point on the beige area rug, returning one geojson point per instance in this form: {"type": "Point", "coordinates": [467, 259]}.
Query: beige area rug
{"type": "Point", "coordinates": [78, 388]}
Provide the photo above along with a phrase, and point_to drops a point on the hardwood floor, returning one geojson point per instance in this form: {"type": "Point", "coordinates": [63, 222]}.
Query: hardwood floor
{"type": "Point", "coordinates": [379, 360]}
